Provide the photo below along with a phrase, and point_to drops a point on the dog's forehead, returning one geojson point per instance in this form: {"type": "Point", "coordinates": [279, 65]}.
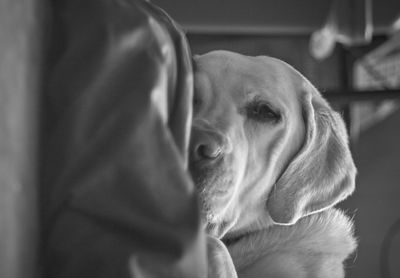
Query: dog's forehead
{"type": "Point", "coordinates": [250, 72]}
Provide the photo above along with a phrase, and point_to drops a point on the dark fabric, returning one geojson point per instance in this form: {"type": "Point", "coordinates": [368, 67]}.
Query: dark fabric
{"type": "Point", "coordinates": [119, 201]}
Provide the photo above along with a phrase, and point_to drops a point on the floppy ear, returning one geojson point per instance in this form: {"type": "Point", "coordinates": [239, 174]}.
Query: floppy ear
{"type": "Point", "coordinates": [323, 171]}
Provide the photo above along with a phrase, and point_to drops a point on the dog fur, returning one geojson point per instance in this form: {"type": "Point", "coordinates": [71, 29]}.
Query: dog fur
{"type": "Point", "coordinates": [315, 246]}
{"type": "Point", "coordinates": [270, 159]}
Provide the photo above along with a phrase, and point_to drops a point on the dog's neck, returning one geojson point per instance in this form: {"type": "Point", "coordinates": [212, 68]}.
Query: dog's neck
{"type": "Point", "coordinates": [329, 233]}
{"type": "Point", "coordinates": [238, 233]}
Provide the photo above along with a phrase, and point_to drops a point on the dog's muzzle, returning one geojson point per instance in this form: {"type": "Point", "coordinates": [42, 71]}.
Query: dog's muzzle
{"type": "Point", "coordinates": [207, 144]}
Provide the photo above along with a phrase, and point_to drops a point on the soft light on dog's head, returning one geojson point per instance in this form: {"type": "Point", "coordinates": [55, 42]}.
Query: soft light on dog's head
{"type": "Point", "coordinates": [322, 173]}
{"type": "Point", "coordinates": [247, 125]}
{"type": "Point", "coordinates": [262, 136]}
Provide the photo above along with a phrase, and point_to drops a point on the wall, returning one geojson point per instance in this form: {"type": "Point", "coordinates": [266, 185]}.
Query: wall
{"type": "Point", "coordinates": [261, 16]}
{"type": "Point", "coordinates": [376, 202]}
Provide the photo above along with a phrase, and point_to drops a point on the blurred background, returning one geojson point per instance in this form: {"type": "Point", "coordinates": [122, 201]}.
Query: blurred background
{"type": "Point", "coordinates": [350, 49]}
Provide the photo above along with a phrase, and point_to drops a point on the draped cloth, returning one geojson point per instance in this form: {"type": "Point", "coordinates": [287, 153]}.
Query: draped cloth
{"type": "Point", "coordinates": [118, 199]}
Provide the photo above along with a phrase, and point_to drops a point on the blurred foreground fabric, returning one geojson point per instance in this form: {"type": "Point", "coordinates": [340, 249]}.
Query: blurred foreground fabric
{"type": "Point", "coordinates": [20, 70]}
{"type": "Point", "coordinates": [117, 198]}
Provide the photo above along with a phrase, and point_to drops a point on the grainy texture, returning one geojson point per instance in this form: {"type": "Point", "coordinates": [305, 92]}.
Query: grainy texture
{"type": "Point", "coordinates": [19, 87]}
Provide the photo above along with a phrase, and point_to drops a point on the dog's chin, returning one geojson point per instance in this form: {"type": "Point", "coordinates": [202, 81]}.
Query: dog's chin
{"type": "Point", "coordinates": [214, 177]}
{"type": "Point", "coordinates": [215, 187]}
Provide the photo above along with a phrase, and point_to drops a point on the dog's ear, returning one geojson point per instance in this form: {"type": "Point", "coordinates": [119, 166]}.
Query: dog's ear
{"type": "Point", "coordinates": [322, 173]}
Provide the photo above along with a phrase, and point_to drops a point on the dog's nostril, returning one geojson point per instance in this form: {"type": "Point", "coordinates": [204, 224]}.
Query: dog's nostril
{"type": "Point", "coordinates": [208, 152]}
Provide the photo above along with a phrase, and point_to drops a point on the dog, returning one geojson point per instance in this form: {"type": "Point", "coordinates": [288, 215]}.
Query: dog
{"type": "Point", "coordinates": [270, 159]}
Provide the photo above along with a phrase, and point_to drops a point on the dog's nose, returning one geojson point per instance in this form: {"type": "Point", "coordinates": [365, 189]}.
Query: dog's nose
{"type": "Point", "coordinates": [208, 150]}
{"type": "Point", "coordinates": [205, 145]}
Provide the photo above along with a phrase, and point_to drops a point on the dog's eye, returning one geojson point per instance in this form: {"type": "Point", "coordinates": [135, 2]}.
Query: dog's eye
{"type": "Point", "coordinates": [262, 112]}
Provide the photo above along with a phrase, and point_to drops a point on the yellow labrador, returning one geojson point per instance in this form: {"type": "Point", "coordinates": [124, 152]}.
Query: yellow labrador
{"type": "Point", "coordinates": [266, 154]}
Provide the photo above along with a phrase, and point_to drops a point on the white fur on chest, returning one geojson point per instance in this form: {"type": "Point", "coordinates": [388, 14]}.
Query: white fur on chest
{"type": "Point", "coordinates": [315, 246]}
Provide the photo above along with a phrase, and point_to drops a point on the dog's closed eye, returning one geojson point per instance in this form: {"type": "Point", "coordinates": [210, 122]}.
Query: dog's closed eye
{"type": "Point", "coordinates": [262, 112]}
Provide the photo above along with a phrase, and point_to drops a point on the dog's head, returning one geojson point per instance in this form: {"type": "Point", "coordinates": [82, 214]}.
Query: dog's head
{"type": "Point", "coordinates": [265, 146]}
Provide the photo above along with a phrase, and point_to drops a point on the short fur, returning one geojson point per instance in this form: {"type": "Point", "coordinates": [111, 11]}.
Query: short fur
{"type": "Point", "coordinates": [268, 186]}
{"type": "Point", "coordinates": [315, 246]}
